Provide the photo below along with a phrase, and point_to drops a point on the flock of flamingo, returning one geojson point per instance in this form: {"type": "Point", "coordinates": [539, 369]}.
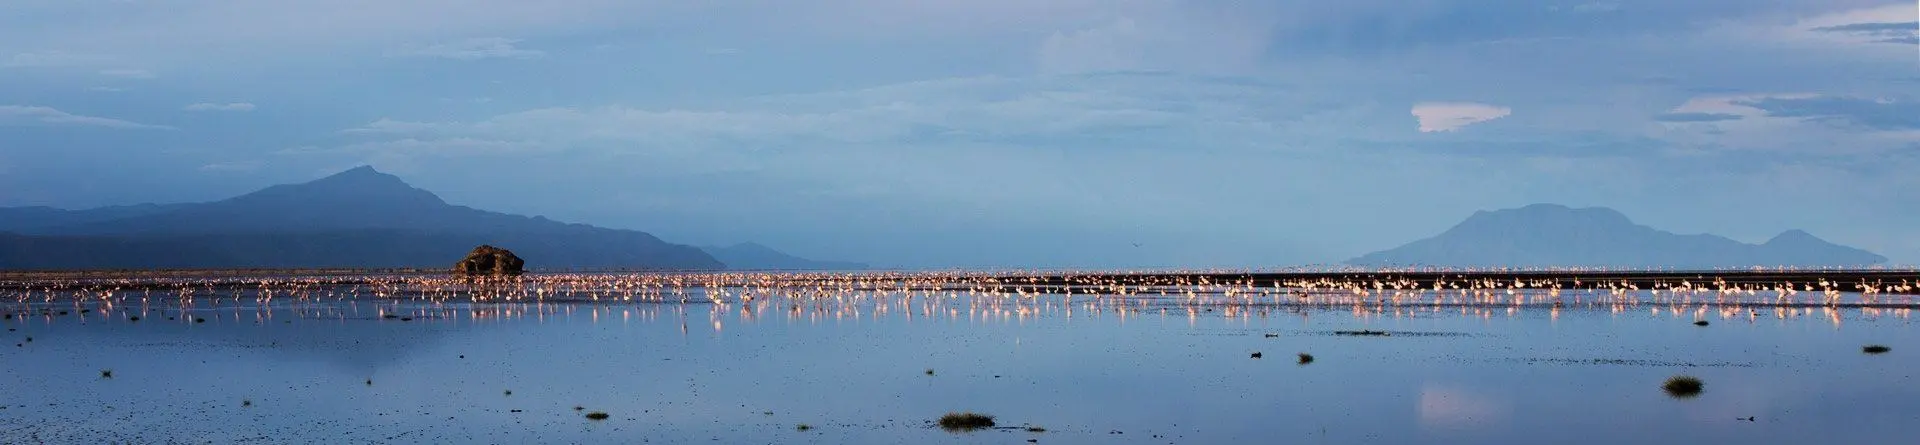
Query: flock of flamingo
{"type": "Point", "coordinates": [976, 294]}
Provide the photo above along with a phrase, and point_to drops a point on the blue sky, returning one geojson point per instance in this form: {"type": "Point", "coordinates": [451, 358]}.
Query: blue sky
{"type": "Point", "coordinates": [994, 132]}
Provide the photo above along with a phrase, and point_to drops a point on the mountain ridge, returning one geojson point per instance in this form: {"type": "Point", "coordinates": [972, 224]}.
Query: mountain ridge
{"type": "Point", "coordinates": [332, 221]}
{"type": "Point", "coordinates": [1548, 235]}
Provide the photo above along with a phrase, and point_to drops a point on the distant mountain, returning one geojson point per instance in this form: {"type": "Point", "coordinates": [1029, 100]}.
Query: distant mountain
{"type": "Point", "coordinates": [753, 256]}
{"type": "Point", "coordinates": [15, 219]}
{"type": "Point", "coordinates": [1543, 235]}
{"type": "Point", "coordinates": [357, 218]}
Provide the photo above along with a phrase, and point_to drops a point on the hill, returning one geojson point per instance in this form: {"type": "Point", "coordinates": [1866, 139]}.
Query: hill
{"type": "Point", "coordinates": [357, 218]}
{"type": "Point", "coordinates": [1547, 235]}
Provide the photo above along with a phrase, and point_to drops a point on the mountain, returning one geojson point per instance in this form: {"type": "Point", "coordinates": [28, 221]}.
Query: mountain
{"type": "Point", "coordinates": [357, 218]}
{"type": "Point", "coordinates": [1544, 235]}
{"type": "Point", "coordinates": [753, 256]}
{"type": "Point", "coordinates": [14, 219]}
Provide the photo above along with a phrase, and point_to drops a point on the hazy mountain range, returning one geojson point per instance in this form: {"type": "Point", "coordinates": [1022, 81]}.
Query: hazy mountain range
{"type": "Point", "coordinates": [1543, 235]}
{"type": "Point", "coordinates": [357, 218]}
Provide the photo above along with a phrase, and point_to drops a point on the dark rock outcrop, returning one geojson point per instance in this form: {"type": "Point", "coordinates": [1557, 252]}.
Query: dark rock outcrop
{"type": "Point", "coordinates": [489, 260]}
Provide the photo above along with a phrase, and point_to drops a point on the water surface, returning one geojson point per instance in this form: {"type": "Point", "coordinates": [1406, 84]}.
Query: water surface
{"type": "Point", "coordinates": [854, 364]}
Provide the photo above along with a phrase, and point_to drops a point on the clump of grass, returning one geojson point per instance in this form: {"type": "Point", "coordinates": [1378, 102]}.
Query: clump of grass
{"type": "Point", "coordinates": [106, 373]}
{"type": "Point", "coordinates": [596, 415]}
{"type": "Point", "coordinates": [1683, 386]}
{"type": "Point", "coordinates": [1875, 349]}
{"type": "Point", "coordinates": [1306, 358]}
{"type": "Point", "coordinates": [803, 427]}
{"type": "Point", "coordinates": [1036, 429]}
{"type": "Point", "coordinates": [1700, 323]}
{"type": "Point", "coordinates": [965, 421]}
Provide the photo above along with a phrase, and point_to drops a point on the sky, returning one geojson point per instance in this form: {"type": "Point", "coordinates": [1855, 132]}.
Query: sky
{"type": "Point", "coordinates": [1016, 133]}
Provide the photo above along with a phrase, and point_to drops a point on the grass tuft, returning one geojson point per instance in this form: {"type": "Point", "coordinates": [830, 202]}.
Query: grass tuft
{"type": "Point", "coordinates": [965, 421]}
{"type": "Point", "coordinates": [596, 415]}
{"type": "Point", "coordinates": [1875, 349]}
{"type": "Point", "coordinates": [1683, 386]}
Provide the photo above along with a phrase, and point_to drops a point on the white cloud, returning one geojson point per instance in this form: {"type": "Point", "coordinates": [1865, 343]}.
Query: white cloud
{"type": "Point", "coordinates": [207, 106]}
{"type": "Point", "coordinates": [36, 115]}
{"type": "Point", "coordinates": [127, 73]}
{"type": "Point", "coordinates": [233, 166]}
{"type": "Point", "coordinates": [470, 49]}
{"type": "Point", "coordinates": [1113, 47]}
{"type": "Point", "coordinates": [1452, 116]}
{"type": "Point", "coordinates": [390, 126]}
{"type": "Point", "coordinates": [52, 59]}
{"type": "Point", "coordinates": [942, 111]}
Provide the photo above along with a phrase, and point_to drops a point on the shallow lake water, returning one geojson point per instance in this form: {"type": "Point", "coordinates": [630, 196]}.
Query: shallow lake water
{"type": "Point", "coordinates": [870, 367]}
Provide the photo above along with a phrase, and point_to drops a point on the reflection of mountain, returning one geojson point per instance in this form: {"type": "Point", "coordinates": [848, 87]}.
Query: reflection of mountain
{"type": "Point", "coordinates": [357, 218]}
{"type": "Point", "coordinates": [753, 256]}
{"type": "Point", "coordinates": [1543, 235]}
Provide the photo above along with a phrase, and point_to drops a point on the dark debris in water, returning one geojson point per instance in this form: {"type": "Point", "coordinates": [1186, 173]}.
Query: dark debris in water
{"type": "Point", "coordinates": [1629, 362]}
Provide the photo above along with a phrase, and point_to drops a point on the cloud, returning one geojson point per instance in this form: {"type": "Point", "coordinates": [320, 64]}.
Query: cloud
{"type": "Point", "coordinates": [1452, 116]}
{"type": "Point", "coordinates": [1114, 47]}
{"type": "Point", "coordinates": [52, 59]}
{"type": "Point", "coordinates": [1696, 117]}
{"type": "Point", "coordinates": [127, 73]}
{"type": "Point", "coordinates": [1808, 126]}
{"type": "Point", "coordinates": [950, 110]}
{"type": "Point", "coordinates": [1875, 114]}
{"type": "Point", "coordinates": [36, 115]}
{"type": "Point", "coordinates": [391, 126]}
{"type": "Point", "coordinates": [1857, 27]}
{"type": "Point", "coordinates": [207, 106]}
{"type": "Point", "coordinates": [233, 166]}
{"type": "Point", "coordinates": [443, 146]}
{"type": "Point", "coordinates": [470, 49]}
{"type": "Point", "coordinates": [1905, 33]}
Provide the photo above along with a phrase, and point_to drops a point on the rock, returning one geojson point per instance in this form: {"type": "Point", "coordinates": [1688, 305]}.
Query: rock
{"type": "Point", "coordinates": [489, 260]}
